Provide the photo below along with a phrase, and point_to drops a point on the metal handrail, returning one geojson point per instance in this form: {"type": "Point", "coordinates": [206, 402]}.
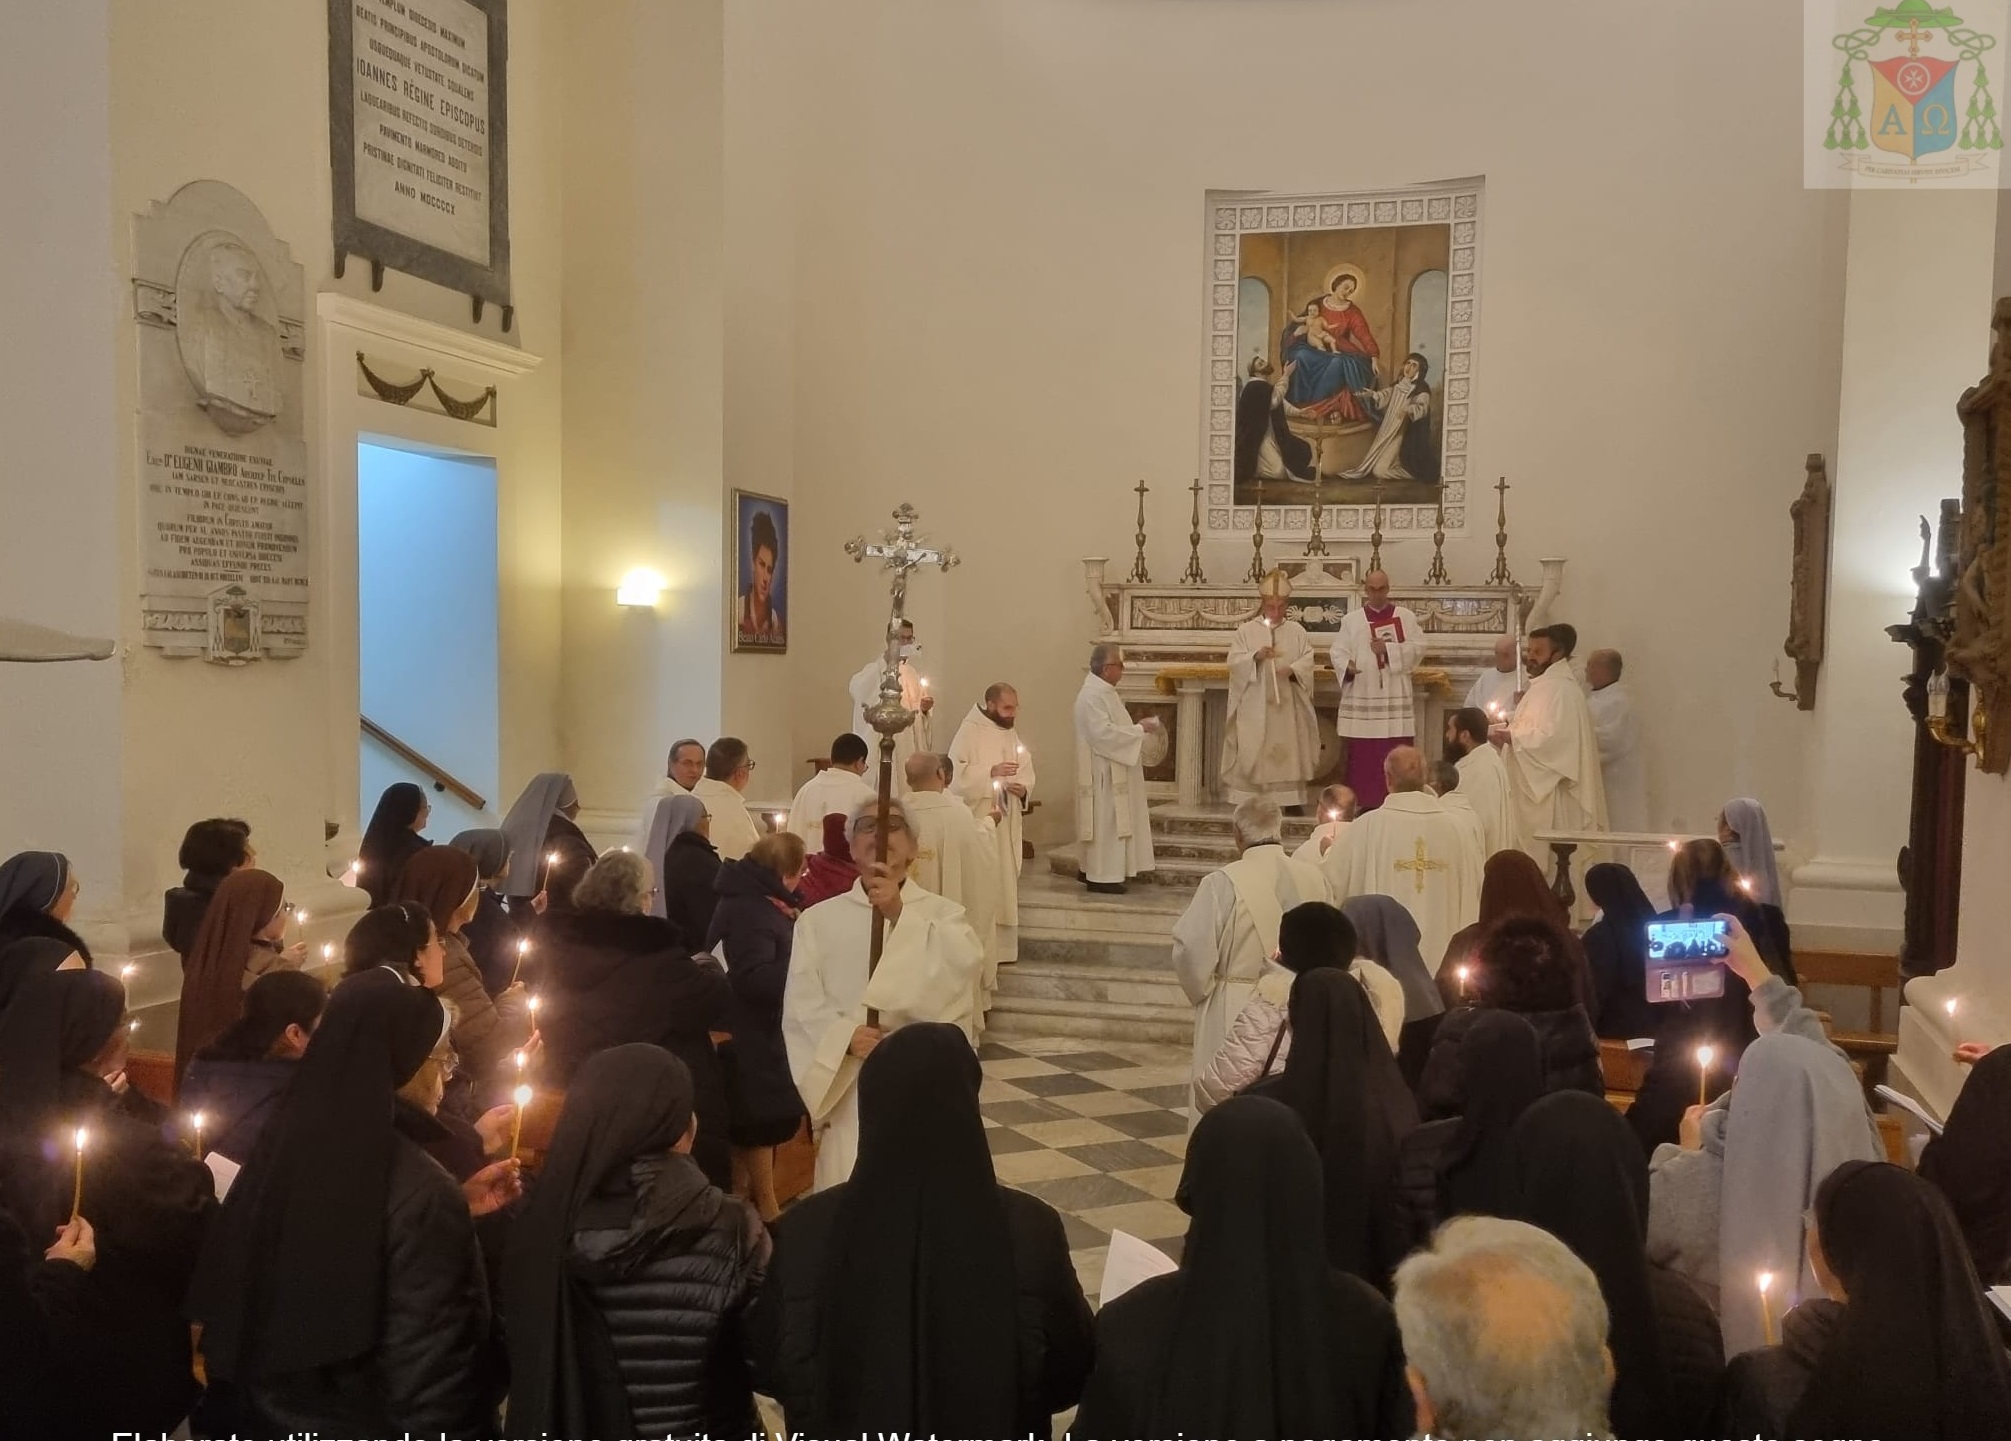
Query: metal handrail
{"type": "Point", "coordinates": [442, 779]}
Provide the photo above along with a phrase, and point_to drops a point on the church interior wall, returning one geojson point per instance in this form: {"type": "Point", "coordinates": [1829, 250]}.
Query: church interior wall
{"type": "Point", "coordinates": [1004, 239]}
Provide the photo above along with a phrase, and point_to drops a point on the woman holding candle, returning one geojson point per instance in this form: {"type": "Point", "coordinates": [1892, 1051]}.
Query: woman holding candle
{"type": "Point", "coordinates": [1894, 1340]}
{"type": "Point", "coordinates": [124, 1343]}
{"type": "Point", "coordinates": [343, 1289]}
{"type": "Point", "coordinates": [240, 939]}
{"type": "Point", "coordinates": [38, 890]}
{"type": "Point", "coordinates": [392, 838]}
{"type": "Point", "coordinates": [447, 883]}
{"type": "Point", "coordinates": [1528, 966]}
{"type": "Point", "coordinates": [238, 1080]}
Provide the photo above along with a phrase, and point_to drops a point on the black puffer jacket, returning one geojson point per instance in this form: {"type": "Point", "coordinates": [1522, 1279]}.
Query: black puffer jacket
{"type": "Point", "coordinates": [758, 934]}
{"type": "Point", "coordinates": [434, 1368]}
{"type": "Point", "coordinates": [236, 1099]}
{"type": "Point", "coordinates": [1763, 1386]}
{"type": "Point", "coordinates": [1420, 1157]}
{"type": "Point", "coordinates": [1057, 1342]}
{"type": "Point", "coordinates": [613, 979]}
{"type": "Point", "coordinates": [1693, 1352]}
{"type": "Point", "coordinates": [675, 1305]}
{"type": "Point", "coordinates": [1570, 1057]}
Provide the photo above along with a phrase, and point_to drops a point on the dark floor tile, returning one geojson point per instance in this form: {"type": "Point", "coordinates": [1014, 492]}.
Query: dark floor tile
{"type": "Point", "coordinates": [1140, 1125]}
{"type": "Point", "coordinates": [993, 1051]}
{"type": "Point", "coordinates": [1090, 1061]}
{"type": "Point", "coordinates": [1171, 1097]}
{"type": "Point", "coordinates": [1081, 1235]}
{"type": "Point", "coordinates": [1084, 1193]}
{"type": "Point", "coordinates": [1108, 1156]}
{"type": "Point", "coordinates": [1065, 1083]}
{"type": "Point", "coordinates": [1025, 1113]}
{"type": "Point", "coordinates": [1004, 1140]}
{"type": "Point", "coordinates": [1172, 1245]}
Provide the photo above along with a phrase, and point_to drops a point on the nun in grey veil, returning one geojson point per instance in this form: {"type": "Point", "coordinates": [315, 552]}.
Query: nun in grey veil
{"type": "Point", "coordinates": [548, 852]}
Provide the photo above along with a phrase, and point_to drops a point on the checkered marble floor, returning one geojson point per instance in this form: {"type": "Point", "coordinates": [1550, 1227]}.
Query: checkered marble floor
{"type": "Point", "coordinates": [1096, 1129]}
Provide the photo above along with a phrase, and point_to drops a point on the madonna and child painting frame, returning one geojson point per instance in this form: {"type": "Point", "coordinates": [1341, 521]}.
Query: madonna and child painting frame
{"type": "Point", "coordinates": [1339, 367]}
{"type": "Point", "coordinates": [760, 573]}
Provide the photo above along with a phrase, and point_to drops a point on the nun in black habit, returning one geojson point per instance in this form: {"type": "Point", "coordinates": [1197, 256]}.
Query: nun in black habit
{"type": "Point", "coordinates": [391, 839]}
{"type": "Point", "coordinates": [1254, 1336]}
{"type": "Point", "coordinates": [342, 1289]}
{"type": "Point", "coordinates": [921, 1295]}
{"type": "Point", "coordinates": [37, 890]}
{"type": "Point", "coordinates": [1970, 1164]}
{"type": "Point", "coordinates": [1462, 1161]}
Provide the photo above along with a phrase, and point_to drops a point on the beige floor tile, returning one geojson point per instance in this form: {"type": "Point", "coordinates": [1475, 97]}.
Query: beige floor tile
{"type": "Point", "coordinates": [1140, 1078]}
{"type": "Point", "coordinates": [1018, 1167]}
{"type": "Point", "coordinates": [1012, 1070]}
{"type": "Point", "coordinates": [1104, 1103]}
{"type": "Point", "coordinates": [995, 1090]}
{"type": "Point", "coordinates": [1171, 1145]}
{"type": "Point", "coordinates": [1084, 1132]}
{"type": "Point", "coordinates": [1156, 1181]}
{"type": "Point", "coordinates": [1147, 1220]}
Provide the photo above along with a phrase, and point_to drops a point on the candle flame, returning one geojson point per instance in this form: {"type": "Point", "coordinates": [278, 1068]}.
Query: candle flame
{"type": "Point", "coordinates": [1463, 973]}
{"type": "Point", "coordinates": [1746, 884]}
{"type": "Point", "coordinates": [356, 868]}
{"type": "Point", "coordinates": [197, 1120]}
{"type": "Point", "coordinates": [1765, 1281]}
{"type": "Point", "coordinates": [551, 858]}
{"type": "Point", "coordinates": [1674, 844]}
{"type": "Point", "coordinates": [520, 1060]}
{"type": "Point", "coordinates": [300, 916]}
{"type": "Point", "coordinates": [127, 972]}
{"type": "Point", "coordinates": [1704, 1055]}
{"type": "Point", "coordinates": [534, 1005]}
{"type": "Point", "coordinates": [524, 947]}
{"type": "Point", "coordinates": [523, 1096]}
{"type": "Point", "coordinates": [1951, 1005]}
{"type": "Point", "coordinates": [82, 1136]}
{"type": "Point", "coordinates": [327, 950]}
{"type": "Point", "coordinates": [132, 1026]}
{"type": "Point", "coordinates": [1333, 815]}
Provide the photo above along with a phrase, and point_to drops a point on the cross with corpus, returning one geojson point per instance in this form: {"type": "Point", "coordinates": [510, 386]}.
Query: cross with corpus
{"type": "Point", "coordinates": [1420, 863]}
{"type": "Point", "coordinates": [899, 552]}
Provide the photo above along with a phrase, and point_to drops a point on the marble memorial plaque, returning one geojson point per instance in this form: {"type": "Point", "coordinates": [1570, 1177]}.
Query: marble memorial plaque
{"type": "Point", "coordinates": [223, 453]}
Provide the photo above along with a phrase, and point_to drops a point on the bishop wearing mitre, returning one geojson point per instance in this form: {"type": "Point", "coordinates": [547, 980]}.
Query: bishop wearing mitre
{"type": "Point", "coordinates": [1271, 743]}
{"type": "Point", "coordinates": [992, 771]}
{"type": "Point", "coordinates": [928, 971]}
{"type": "Point", "coordinates": [1230, 930]}
{"type": "Point", "coordinates": [1375, 650]}
{"type": "Point", "coordinates": [1552, 749]}
{"type": "Point", "coordinates": [956, 857]}
{"type": "Point", "coordinates": [865, 691]}
{"type": "Point", "coordinates": [1414, 851]}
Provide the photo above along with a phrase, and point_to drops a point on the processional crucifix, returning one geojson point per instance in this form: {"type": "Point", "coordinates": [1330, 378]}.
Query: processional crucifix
{"type": "Point", "coordinates": [899, 551]}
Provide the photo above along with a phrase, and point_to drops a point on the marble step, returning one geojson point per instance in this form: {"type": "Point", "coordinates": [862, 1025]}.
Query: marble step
{"type": "Point", "coordinates": [1064, 980]}
{"type": "Point", "coordinates": [1169, 872]}
{"type": "Point", "coordinates": [1139, 951]}
{"type": "Point", "coordinates": [1096, 1020]}
{"type": "Point", "coordinates": [1172, 820]}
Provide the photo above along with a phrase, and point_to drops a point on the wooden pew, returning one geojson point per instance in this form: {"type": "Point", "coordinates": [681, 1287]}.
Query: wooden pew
{"type": "Point", "coordinates": [1872, 1048]}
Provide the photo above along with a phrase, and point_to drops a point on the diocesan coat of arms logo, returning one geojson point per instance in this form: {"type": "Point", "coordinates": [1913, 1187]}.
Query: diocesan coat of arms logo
{"type": "Point", "coordinates": [1913, 101]}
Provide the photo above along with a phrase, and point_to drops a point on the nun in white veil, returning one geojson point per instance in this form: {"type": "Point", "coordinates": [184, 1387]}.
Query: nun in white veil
{"type": "Point", "coordinates": [1749, 845]}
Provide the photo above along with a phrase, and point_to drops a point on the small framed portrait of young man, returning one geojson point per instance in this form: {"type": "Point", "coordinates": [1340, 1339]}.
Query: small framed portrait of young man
{"type": "Point", "coordinates": [760, 573]}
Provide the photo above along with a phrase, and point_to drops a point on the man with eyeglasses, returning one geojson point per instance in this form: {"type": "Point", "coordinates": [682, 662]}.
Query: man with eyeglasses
{"type": "Point", "coordinates": [929, 971]}
{"type": "Point", "coordinates": [728, 769]}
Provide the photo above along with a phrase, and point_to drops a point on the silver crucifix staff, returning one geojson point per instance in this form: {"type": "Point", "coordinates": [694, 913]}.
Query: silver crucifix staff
{"type": "Point", "coordinates": [899, 551]}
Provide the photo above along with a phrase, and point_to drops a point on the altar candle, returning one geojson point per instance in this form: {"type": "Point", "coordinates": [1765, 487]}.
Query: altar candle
{"type": "Point", "coordinates": [1704, 1055]}
{"type": "Point", "coordinates": [522, 1096]}
{"type": "Point", "coordinates": [523, 949]}
{"type": "Point", "coordinates": [1271, 666]}
{"type": "Point", "coordinates": [195, 1126]}
{"type": "Point", "coordinates": [77, 1190]}
{"type": "Point", "coordinates": [1765, 1281]}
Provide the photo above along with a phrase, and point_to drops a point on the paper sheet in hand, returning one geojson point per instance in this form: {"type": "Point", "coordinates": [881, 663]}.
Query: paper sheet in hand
{"type": "Point", "coordinates": [224, 1169]}
{"type": "Point", "coordinates": [2000, 1297]}
{"type": "Point", "coordinates": [1129, 1263]}
{"type": "Point", "coordinates": [1908, 1105]}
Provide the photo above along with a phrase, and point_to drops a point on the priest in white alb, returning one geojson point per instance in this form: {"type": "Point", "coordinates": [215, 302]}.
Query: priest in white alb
{"type": "Point", "coordinates": [839, 789]}
{"type": "Point", "coordinates": [1617, 727]}
{"type": "Point", "coordinates": [1552, 750]}
{"type": "Point", "coordinates": [992, 769]}
{"type": "Point", "coordinates": [1494, 690]}
{"type": "Point", "coordinates": [1111, 819]}
{"type": "Point", "coordinates": [928, 971]}
{"type": "Point", "coordinates": [1375, 651]}
{"type": "Point", "coordinates": [722, 791]}
{"type": "Point", "coordinates": [1483, 778]}
{"type": "Point", "coordinates": [1230, 929]}
{"type": "Point", "coordinates": [1337, 810]}
{"type": "Point", "coordinates": [1411, 850]}
{"type": "Point", "coordinates": [865, 691]}
{"type": "Point", "coordinates": [956, 857]}
{"type": "Point", "coordinates": [1271, 740]}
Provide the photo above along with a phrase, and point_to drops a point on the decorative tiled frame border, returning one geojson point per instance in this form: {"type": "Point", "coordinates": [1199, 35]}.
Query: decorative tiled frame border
{"type": "Point", "coordinates": [1233, 214]}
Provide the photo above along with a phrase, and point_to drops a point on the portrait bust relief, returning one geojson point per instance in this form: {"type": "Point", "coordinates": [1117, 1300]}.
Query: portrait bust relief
{"type": "Point", "coordinates": [228, 333]}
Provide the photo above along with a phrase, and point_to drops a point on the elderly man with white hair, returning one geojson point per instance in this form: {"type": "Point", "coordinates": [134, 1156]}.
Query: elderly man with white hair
{"type": "Point", "coordinates": [1230, 929]}
{"type": "Point", "coordinates": [929, 970]}
{"type": "Point", "coordinates": [1504, 1335]}
{"type": "Point", "coordinates": [1110, 811]}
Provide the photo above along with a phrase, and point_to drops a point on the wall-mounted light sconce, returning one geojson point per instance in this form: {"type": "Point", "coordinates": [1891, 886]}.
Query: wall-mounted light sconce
{"type": "Point", "coordinates": [639, 588]}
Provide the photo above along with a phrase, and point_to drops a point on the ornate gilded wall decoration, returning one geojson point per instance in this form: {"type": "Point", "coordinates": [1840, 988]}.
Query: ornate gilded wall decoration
{"type": "Point", "coordinates": [1978, 653]}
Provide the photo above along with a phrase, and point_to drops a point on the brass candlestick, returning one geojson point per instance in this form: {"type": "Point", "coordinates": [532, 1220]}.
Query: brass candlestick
{"type": "Point", "coordinates": [1258, 570]}
{"type": "Point", "coordinates": [1376, 534]}
{"type": "Point", "coordinates": [1194, 574]}
{"type": "Point", "coordinates": [1139, 574]}
{"type": "Point", "coordinates": [1317, 544]}
{"type": "Point", "coordinates": [1437, 575]}
{"type": "Point", "coordinates": [1501, 575]}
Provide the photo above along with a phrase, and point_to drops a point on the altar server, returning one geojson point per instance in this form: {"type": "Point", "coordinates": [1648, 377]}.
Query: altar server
{"type": "Point", "coordinates": [928, 971]}
{"type": "Point", "coordinates": [1376, 650]}
{"type": "Point", "coordinates": [956, 857]}
{"type": "Point", "coordinates": [993, 769]}
{"type": "Point", "coordinates": [1553, 750]}
{"type": "Point", "coordinates": [1617, 728]}
{"type": "Point", "coordinates": [1111, 819]}
{"type": "Point", "coordinates": [1414, 852]}
{"type": "Point", "coordinates": [1230, 929]}
{"type": "Point", "coordinates": [1271, 742]}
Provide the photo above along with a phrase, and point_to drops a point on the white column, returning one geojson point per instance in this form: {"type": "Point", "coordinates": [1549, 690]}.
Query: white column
{"type": "Point", "coordinates": [1917, 298]}
{"type": "Point", "coordinates": [1188, 720]}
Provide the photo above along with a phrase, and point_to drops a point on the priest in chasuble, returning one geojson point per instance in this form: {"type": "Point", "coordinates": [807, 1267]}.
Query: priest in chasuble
{"type": "Point", "coordinates": [992, 770]}
{"type": "Point", "coordinates": [1552, 749]}
{"type": "Point", "coordinates": [1375, 651]}
{"type": "Point", "coordinates": [956, 857]}
{"type": "Point", "coordinates": [1271, 742]}
{"type": "Point", "coordinates": [1413, 850]}
{"type": "Point", "coordinates": [1228, 932]}
{"type": "Point", "coordinates": [929, 971]}
{"type": "Point", "coordinates": [1111, 819]}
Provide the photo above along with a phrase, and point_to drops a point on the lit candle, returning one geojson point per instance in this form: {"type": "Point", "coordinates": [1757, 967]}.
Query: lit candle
{"type": "Point", "coordinates": [1746, 884]}
{"type": "Point", "coordinates": [1271, 666]}
{"type": "Point", "coordinates": [1704, 1055]}
{"type": "Point", "coordinates": [781, 820]}
{"type": "Point", "coordinates": [1333, 815]}
{"type": "Point", "coordinates": [353, 875]}
{"type": "Point", "coordinates": [77, 1190]}
{"type": "Point", "coordinates": [1952, 1005]}
{"type": "Point", "coordinates": [1465, 973]}
{"type": "Point", "coordinates": [521, 1060]}
{"type": "Point", "coordinates": [523, 949]}
{"type": "Point", "coordinates": [1674, 844]}
{"type": "Point", "coordinates": [1765, 1281]}
{"type": "Point", "coordinates": [522, 1096]}
{"type": "Point", "coordinates": [133, 1026]}
{"type": "Point", "coordinates": [327, 952]}
{"type": "Point", "coordinates": [195, 1126]}
{"type": "Point", "coordinates": [534, 1013]}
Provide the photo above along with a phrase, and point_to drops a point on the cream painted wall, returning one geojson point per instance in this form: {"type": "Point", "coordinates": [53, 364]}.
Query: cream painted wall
{"type": "Point", "coordinates": [998, 263]}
